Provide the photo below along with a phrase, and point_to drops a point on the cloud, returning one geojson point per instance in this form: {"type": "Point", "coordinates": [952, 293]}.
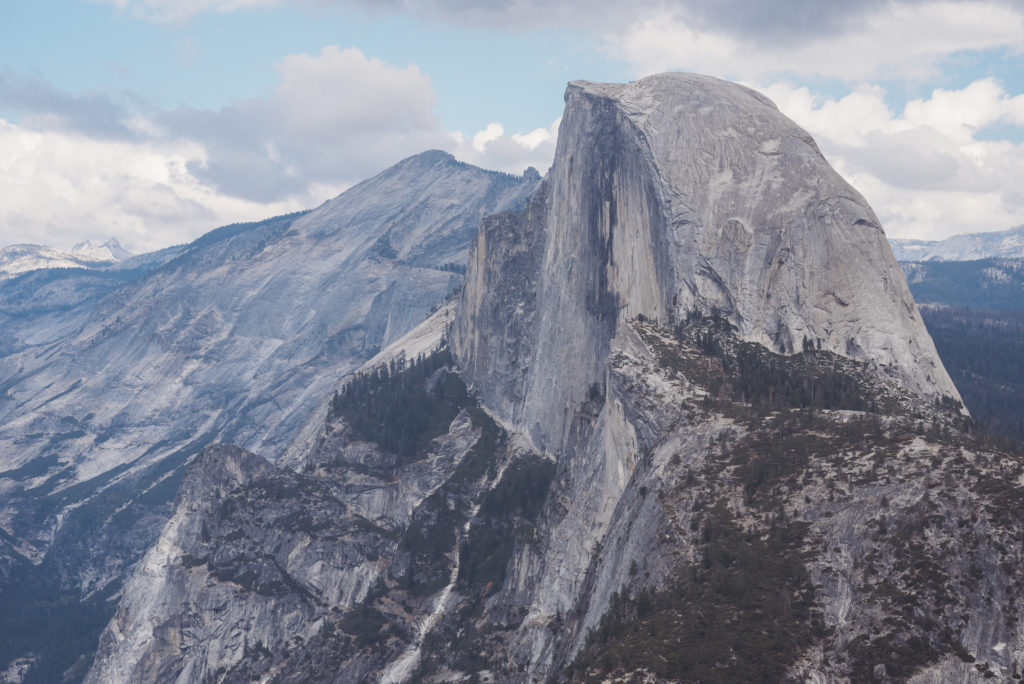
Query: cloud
{"type": "Point", "coordinates": [926, 170]}
{"type": "Point", "coordinates": [492, 148]}
{"type": "Point", "coordinates": [58, 188]}
{"type": "Point", "coordinates": [492, 132]}
{"type": "Point", "coordinates": [751, 19]}
{"type": "Point", "coordinates": [44, 107]}
{"type": "Point", "coordinates": [873, 43]}
{"type": "Point", "coordinates": [851, 41]}
{"type": "Point", "coordinates": [334, 118]}
{"type": "Point", "coordinates": [85, 167]}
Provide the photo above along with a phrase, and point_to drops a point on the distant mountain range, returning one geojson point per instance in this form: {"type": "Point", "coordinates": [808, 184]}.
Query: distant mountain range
{"type": "Point", "coordinates": [22, 258]}
{"type": "Point", "coordinates": [996, 284]}
{"type": "Point", "coordinates": [967, 247]}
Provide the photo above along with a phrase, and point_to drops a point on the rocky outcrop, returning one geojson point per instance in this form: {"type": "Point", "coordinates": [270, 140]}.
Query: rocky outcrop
{"type": "Point", "coordinates": [672, 194]}
{"type": "Point", "coordinates": [722, 512]}
{"type": "Point", "coordinates": [255, 556]}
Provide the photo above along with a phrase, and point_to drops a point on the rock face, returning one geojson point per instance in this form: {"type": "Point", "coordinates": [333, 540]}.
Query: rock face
{"type": "Point", "coordinates": [257, 557]}
{"type": "Point", "coordinates": [708, 439]}
{"type": "Point", "coordinates": [238, 337]}
{"type": "Point", "coordinates": [672, 194]}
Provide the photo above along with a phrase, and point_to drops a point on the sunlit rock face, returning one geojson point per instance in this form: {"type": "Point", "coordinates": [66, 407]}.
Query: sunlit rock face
{"type": "Point", "coordinates": [676, 193]}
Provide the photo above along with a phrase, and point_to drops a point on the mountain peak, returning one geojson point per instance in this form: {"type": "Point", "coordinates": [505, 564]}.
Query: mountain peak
{"type": "Point", "coordinates": [21, 258]}
{"type": "Point", "coordinates": [430, 158]}
{"type": "Point", "coordinates": [94, 250]}
{"type": "Point", "coordinates": [676, 85]}
{"type": "Point", "coordinates": [674, 194]}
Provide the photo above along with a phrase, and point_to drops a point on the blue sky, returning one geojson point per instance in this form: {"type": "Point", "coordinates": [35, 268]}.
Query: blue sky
{"type": "Point", "coordinates": [156, 120]}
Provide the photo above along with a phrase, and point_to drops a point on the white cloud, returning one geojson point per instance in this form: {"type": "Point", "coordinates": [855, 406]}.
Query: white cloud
{"type": "Point", "coordinates": [537, 137]}
{"type": "Point", "coordinates": [924, 170]}
{"type": "Point", "coordinates": [59, 188]}
{"type": "Point", "coordinates": [961, 113]}
{"type": "Point", "coordinates": [896, 39]}
{"type": "Point", "coordinates": [492, 132]}
{"type": "Point", "coordinates": [77, 170]}
{"type": "Point", "coordinates": [335, 118]}
{"type": "Point", "coordinates": [492, 148]}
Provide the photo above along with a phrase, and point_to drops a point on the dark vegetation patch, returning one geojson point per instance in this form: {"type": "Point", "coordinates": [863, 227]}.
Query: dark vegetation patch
{"type": "Point", "coordinates": [382, 248]}
{"type": "Point", "coordinates": [507, 514]}
{"type": "Point", "coordinates": [367, 636]}
{"type": "Point", "coordinates": [404, 405]}
{"type": "Point", "coordinates": [58, 626]}
{"type": "Point", "coordinates": [426, 545]}
{"type": "Point", "coordinates": [921, 592]}
{"type": "Point", "coordinates": [452, 267]}
{"type": "Point", "coordinates": [968, 283]}
{"type": "Point", "coordinates": [1002, 498]}
{"type": "Point", "coordinates": [707, 351]}
{"type": "Point", "coordinates": [901, 653]}
{"type": "Point", "coordinates": [262, 233]}
{"type": "Point", "coordinates": [984, 354]}
{"type": "Point", "coordinates": [365, 624]}
{"type": "Point", "coordinates": [924, 567]}
{"type": "Point", "coordinates": [782, 448]}
{"type": "Point", "coordinates": [32, 469]}
{"type": "Point", "coordinates": [468, 639]}
{"type": "Point", "coordinates": [743, 613]}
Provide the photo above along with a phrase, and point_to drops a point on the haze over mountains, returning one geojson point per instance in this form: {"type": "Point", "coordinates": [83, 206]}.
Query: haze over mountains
{"type": "Point", "coordinates": [16, 259]}
{"type": "Point", "coordinates": [669, 411]}
{"type": "Point", "coordinates": [1006, 244]}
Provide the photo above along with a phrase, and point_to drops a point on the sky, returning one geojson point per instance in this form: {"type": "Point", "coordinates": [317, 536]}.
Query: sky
{"type": "Point", "coordinates": [154, 121]}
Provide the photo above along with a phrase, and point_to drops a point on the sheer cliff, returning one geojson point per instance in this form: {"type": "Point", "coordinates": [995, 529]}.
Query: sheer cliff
{"type": "Point", "coordinates": [673, 194]}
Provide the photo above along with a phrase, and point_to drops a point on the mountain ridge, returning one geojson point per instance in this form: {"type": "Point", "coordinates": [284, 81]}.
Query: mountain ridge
{"type": "Point", "coordinates": [23, 258]}
{"type": "Point", "coordinates": [964, 247]}
{"type": "Point", "coordinates": [234, 338]}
